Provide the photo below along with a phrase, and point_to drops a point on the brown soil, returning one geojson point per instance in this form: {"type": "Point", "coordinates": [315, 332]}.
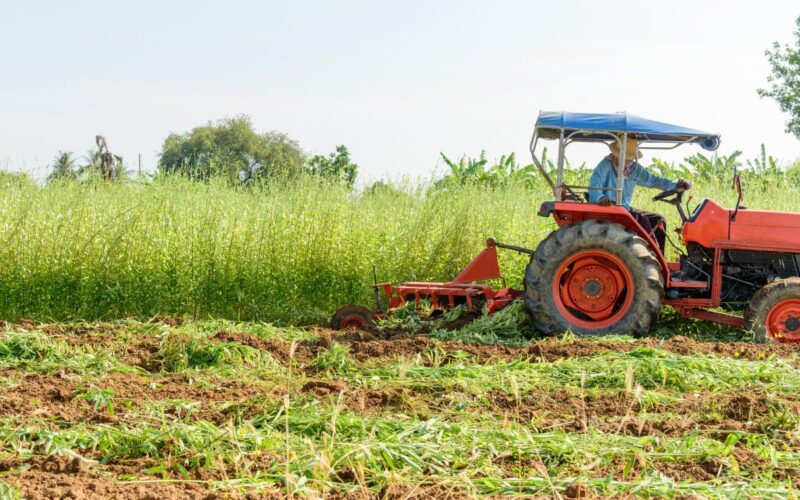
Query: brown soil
{"type": "Point", "coordinates": [693, 471]}
{"type": "Point", "coordinates": [78, 479]}
{"type": "Point", "coordinates": [47, 396]}
{"type": "Point", "coordinates": [56, 399]}
{"type": "Point", "coordinates": [687, 471]}
{"type": "Point", "coordinates": [137, 351]}
{"type": "Point", "coordinates": [364, 346]}
{"type": "Point", "coordinates": [368, 344]}
{"type": "Point", "coordinates": [562, 409]}
{"type": "Point", "coordinates": [578, 490]}
{"type": "Point", "coordinates": [744, 406]}
{"type": "Point", "coordinates": [554, 349]}
{"type": "Point", "coordinates": [280, 350]}
{"type": "Point", "coordinates": [403, 492]}
{"type": "Point", "coordinates": [621, 413]}
{"type": "Point", "coordinates": [374, 400]}
{"type": "Point", "coordinates": [741, 350]}
{"type": "Point", "coordinates": [58, 396]}
{"type": "Point", "coordinates": [325, 387]}
{"type": "Point", "coordinates": [618, 468]}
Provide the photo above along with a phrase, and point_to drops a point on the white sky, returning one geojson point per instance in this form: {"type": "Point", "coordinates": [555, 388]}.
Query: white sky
{"type": "Point", "coordinates": [397, 82]}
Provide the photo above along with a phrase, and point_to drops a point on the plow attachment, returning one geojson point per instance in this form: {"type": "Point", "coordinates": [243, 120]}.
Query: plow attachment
{"type": "Point", "coordinates": [463, 289]}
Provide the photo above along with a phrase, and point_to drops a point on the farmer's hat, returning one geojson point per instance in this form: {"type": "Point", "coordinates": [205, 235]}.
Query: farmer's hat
{"type": "Point", "coordinates": [630, 149]}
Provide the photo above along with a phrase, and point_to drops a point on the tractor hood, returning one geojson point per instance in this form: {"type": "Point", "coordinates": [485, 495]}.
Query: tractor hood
{"type": "Point", "coordinates": [763, 230]}
{"type": "Point", "coordinates": [550, 124]}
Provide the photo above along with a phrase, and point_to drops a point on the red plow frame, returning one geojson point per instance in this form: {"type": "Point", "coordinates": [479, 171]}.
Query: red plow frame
{"type": "Point", "coordinates": [463, 289]}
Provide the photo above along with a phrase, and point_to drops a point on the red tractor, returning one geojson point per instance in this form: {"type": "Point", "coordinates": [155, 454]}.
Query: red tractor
{"type": "Point", "coordinates": [600, 272]}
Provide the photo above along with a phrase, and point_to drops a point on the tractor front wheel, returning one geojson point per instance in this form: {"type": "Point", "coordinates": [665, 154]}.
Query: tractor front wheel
{"type": "Point", "coordinates": [773, 314]}
{"type": "Point", "coordinates": [593, 278]}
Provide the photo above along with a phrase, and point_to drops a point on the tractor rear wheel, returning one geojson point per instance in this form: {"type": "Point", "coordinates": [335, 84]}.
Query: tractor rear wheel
{"type": "Point", "coordinates": [773, 314]}
{"type": "Point", "coordinates": [593, 278]}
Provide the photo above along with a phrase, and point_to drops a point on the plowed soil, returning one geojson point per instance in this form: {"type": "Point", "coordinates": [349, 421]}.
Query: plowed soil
{"type": "Point", "coordinates": [61, 398]}
{"type": "Point", "coordinates": [364, 346]}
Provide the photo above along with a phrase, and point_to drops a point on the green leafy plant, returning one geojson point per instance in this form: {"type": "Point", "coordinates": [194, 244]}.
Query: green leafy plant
{"type": "Point", "coordinates": [335, 359]}
{"type": "Point", "coordinates": [716, 168]}
{"type": "Point", "coordinates": [336, 167]}
{"type": "Point", "coordinates": [100, 398]}
{"type": "Point", "coordinates": [179, 352]}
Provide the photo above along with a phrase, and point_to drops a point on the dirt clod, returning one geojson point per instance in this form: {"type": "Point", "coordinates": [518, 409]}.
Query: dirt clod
{"type": "Point", "coordinates": [325, 387]}
{"type": "Point", "coordinates": [578, 490]}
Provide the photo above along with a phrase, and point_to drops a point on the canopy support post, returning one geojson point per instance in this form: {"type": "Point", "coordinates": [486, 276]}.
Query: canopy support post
{"type": "Point", "coordinates": [621, 167]}
{"type": "Point", "coordinates": [539, 166]}
{"type": "Point", "coordinates": [560, 179]}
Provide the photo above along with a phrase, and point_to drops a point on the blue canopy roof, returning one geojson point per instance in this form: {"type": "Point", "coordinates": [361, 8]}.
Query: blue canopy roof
{"type": "Point", "coordinates": [550, 124]}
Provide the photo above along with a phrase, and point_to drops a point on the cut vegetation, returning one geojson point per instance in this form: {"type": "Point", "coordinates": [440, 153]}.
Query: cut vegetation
{"type": "Point", "coordinates": [229, 410]}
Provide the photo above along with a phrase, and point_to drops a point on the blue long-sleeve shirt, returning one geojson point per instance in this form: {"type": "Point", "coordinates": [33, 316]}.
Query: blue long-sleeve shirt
{"type": "Point", "coordinates": [605, 178]}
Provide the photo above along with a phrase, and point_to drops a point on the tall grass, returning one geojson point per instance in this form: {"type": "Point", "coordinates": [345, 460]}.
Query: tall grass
{"type": "Point", "coordinates": [283, 252]}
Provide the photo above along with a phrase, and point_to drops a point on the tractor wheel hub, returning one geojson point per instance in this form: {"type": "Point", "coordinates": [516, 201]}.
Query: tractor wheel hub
{"type": "Point", "coordinates": [783, 321]}
{"type": "Point", "coordinates": [592, 288]}
{"type": "Point", "coordinates": [589, 285]}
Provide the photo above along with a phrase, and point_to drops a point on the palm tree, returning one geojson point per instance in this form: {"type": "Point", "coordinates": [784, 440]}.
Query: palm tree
{"type": "Point", "coordinates": [91, 166]}
{"type": "Point", "coordinates": [63, 166]}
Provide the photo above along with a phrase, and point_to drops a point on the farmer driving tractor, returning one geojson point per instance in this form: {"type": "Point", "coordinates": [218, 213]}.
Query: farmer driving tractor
{"type": "Point", "coordinates": [604, 181]}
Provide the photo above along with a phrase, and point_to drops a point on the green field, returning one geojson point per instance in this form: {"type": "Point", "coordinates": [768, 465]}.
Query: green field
{"type": "Point", "coordinates": [290, 253]}
{"type": "Point", "coordinates": [177, 403]}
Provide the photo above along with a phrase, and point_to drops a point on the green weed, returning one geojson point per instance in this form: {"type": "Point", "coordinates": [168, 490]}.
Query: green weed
{"type": "Point", "coordinates": [179, 352]}
{"type": "Point", "coordinates": [510, 326]}
{"type": "Point", "coordinates": [335, 359]}
{"type": "Point", "coordinates": [100, 398]}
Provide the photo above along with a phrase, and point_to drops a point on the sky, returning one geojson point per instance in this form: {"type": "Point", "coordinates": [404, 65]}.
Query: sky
{"type": "Point", "coordinates": [397, 82]}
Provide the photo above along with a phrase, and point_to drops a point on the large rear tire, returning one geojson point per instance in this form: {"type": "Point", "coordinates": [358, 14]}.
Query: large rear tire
{"type": "Point", "coordinates": [593, 278]}
{"type": "Point", "coordinates": [773, 314]}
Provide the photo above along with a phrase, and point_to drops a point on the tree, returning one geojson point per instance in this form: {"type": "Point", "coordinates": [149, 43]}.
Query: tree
{"type": "Point", "coordinates": [506, 170]}
{"type": "Point", "coordinates": [793, 172]}
{"type": "Point", "coordinates": [464, 170]}
{"type": "Point", "coordinates": [232, 148]}
{"type": "Point", "coordinates": [335, 167]}
{"type": "Point", "coordinates": [785, 80]}
{"type": "Point", "coordinates": [64, 167]}
{"type": "Point", "coordinates": [93, 169]}
{"type": "Point", "coordinates": [715, 167]}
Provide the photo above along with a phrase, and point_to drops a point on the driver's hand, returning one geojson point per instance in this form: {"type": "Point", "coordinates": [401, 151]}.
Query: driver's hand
{"type": "Point", "coordinates": [683, 185]}
{"type": "Point", "coordinates": [604, 202]}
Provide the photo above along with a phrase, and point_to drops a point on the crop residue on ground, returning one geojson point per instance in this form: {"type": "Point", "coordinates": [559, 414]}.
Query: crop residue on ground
{"type": "Point", "coordinates": [222, 409]}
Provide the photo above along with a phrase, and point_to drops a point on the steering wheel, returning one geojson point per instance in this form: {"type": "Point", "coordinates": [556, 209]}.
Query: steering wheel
{"type": "Point", "coordinates": [673, 197]}
{"type": "Point", "coordinates": [665, 196]}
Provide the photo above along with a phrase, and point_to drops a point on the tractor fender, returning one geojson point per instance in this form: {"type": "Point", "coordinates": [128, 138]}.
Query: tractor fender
{"type": "Point", "coordinates": [567, 213]}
